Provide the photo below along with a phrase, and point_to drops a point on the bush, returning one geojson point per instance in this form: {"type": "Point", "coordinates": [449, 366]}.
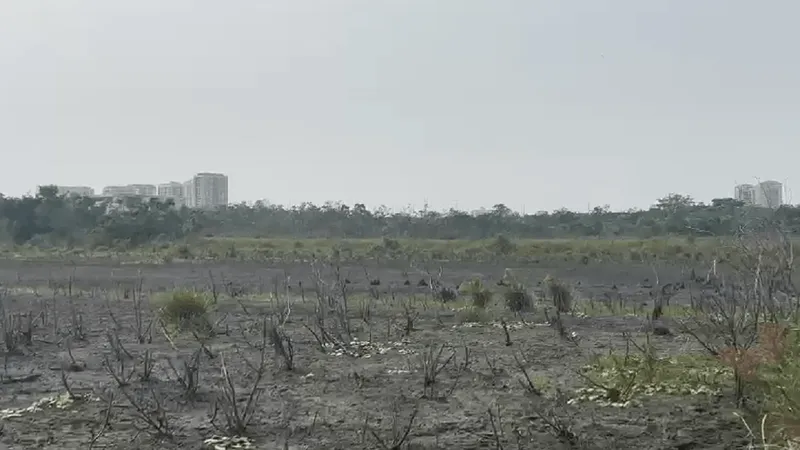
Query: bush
{"type": "Point", "coordinates": [560, 293]}
{"type": "Point", "coordinates": [445, 294]}
{"type": "Point", "coordinates": [517, 298]}
{"type": "Point", "coordinates": [478, 293]}
{"type": "Point", "coordinates": [472, 314]}
{"type": "Point", "coordinates": [185, 311]}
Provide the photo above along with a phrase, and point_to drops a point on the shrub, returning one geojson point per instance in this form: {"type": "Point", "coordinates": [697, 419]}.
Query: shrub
{"type": "Point", "coordinates": [517, 298]}
{"type": "Point", "coordinates": [478, 293]}
{"type": "Point", "coordinates": [445, 294]}
{"type": "Point", "coordinates": [560, 293]}
{"type": "Point", "coordinates": [185, 311]}
{"type": "Point", "coordinates": [471, 314]}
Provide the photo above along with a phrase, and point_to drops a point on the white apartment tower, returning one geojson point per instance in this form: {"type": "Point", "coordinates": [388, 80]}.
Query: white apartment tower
{"type": "Point", "coordinates": [769, 194]}
{"type": "Point", "coordinates": [206, 190]}
{"type": "Point", "coordinates": [80, 191]}
{"type": "Point", "coordinates": [130, 190]}
{"type": "Point", "coordinates": [745, 193]}
{"type": "Point", "coordinates": [172, 191]}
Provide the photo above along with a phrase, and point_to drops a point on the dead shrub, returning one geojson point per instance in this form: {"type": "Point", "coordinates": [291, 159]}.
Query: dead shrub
{"type": "Point", "coordinates": [517, 298]}
{"type": "Point", "coordinates": [477, 292]}
{"type": "Point", "coordinates": [560, 293]}
{"type": "Point", "coordinates": [472, 314]}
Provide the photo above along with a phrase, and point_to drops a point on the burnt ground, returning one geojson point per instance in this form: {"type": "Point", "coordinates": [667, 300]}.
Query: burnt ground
{"type": "Point", "coordinates": [330, 400]}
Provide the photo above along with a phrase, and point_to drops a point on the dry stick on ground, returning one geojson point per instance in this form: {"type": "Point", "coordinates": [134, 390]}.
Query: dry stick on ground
{"type": "Point", "coordinates": [96, 435]}
{"type": "Point", "coordinates": [65, 383]}
{"type": "Point", "coordinates": [497, 429]}
{"type": "Point", "coordinates": [73, 365]}
{"type": "Point", "coordinates": [505, 330]}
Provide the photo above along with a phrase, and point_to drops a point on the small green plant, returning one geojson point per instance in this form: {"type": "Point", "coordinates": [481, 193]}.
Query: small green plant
{"type": "Point", "coordinates": [480, 295]}
{"type": "Point", "coordinates": [517, 298]}
{"type": "Point", "coordinates": [185, 311]}
{"type": "Point", "coordinates": [616, 379]}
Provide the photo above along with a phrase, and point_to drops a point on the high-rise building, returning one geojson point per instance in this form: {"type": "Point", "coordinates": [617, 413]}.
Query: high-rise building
{"type": "Point", "coordinates": [144, 190]}
{"type": "Point", "coordinates": [206, 190]}
{"type": "Point", "coordinates": [769, 194]}
{"type": "Point", "coordinates": [172, 191]}
{"type": "Point", "coordinates": [130, 190]}
{"type": "Point", "coordinates": [745, 193]}
{"type": "Point", "coordinates": [81, 191]}
{"type": "Point", "coordinates": [118, 191]}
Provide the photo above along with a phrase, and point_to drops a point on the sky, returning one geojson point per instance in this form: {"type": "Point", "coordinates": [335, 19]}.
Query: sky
{"type": "Point", "coordinates": [454, 103]}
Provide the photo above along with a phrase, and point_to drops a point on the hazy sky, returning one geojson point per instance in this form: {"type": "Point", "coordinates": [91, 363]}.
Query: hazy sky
{"type": "Point", "coordinates": [536, 104]}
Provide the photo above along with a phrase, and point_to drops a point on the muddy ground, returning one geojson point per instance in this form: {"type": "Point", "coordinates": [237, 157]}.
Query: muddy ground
{"type": "Point", "coordinates": [332, 400]}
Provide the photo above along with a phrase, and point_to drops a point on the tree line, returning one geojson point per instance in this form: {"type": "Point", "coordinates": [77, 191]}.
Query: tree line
{"type": "Point", "coordinates": [53, 219]}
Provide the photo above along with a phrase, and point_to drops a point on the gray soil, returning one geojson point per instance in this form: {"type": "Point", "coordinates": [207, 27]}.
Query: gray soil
{"type": "Point", "coordinates": [330, 401]}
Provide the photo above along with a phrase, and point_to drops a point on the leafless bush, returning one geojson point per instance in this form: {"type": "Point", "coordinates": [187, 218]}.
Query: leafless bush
{"type": "Point", "coordinates": [147, 366]}
{"type": "Point", "coordinates": [551, 411]}
{"type": "Point", "coordinates": [237, 416]}
{"type": "Point", "coordinates": [17, 329]}
{"type": "Point", "coordinates": [282, 343]}
{"type": "Point", "coordinates": [557, 323]}
{"type": "Point", "coordinates": [118, 371]}
{"type": "Point", "coordinates": [410, 314]}
{"type": "Point", "coordinates": [144, 334]}
{"type": "Point", "coordinates": [432, 361]}
{"type": "Point", "coordinates": [150, 410]}
{"type": "Point", "coordinates": [331, 324]}
{"type": "Point", "coordinates": [120, 352]}
{"type": "Point", "coordinates": [517, 298]}
{"type": "Point", "coordinates": [189, 376]}
{"type": "Point", "coordinates": [560, 293]}
{"type": "Point", "coordinates": [554, 416]}
{"type": "Point", "coordinates": [95, 433]}
{"type": "Point", "coordinates": [728, 316]}
{"type": "Point", "coordinates": [400, 432]}
{"type": "Point", "coordinates": [76, 318]}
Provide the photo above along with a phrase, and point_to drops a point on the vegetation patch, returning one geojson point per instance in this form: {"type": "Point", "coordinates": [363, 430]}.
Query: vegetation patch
{"type": "Point", "coordinates": [185, 311]}
{"type": "Point", "coordinates": [617, 380]}
{"type": "Point", "coordinates": [480, 295]}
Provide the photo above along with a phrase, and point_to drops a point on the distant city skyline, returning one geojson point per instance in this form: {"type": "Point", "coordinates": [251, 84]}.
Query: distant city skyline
{"type": "Point", "coordinates": [768, 193]}
{"type": "Point", "coordinates": [203, 190]}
